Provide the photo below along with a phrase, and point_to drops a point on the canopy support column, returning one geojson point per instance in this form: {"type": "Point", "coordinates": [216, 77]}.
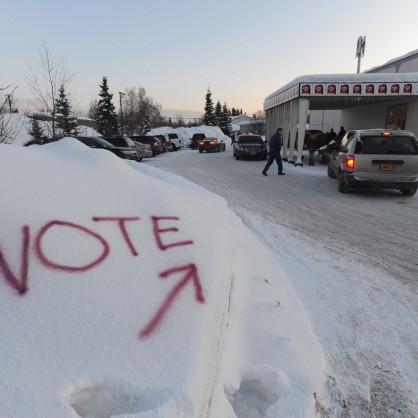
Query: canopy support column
{"type": "Point", "coordinates": [303, 118]}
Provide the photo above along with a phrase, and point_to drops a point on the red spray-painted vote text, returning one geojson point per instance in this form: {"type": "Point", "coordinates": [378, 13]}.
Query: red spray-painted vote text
{"type": "Point", "coordinates": [161, 225]}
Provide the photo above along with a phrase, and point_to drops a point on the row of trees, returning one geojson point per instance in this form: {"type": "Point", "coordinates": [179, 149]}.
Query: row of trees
{"type": "Point", "coordinates": [138, 113]}
{"type": "Point", "coordinates": [218, 115]}
{"type": "Point", "coordinates": [49, 82]}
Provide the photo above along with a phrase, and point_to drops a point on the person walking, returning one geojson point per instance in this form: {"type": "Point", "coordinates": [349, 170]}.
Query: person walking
{"type": "Point", "coordinates": [275, 145]}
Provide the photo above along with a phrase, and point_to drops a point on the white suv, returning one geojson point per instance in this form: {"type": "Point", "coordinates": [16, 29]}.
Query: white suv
{"type": "Point", "coordinates": [376, 158]}
{"type": "Point", "coordinates": [176, 141]}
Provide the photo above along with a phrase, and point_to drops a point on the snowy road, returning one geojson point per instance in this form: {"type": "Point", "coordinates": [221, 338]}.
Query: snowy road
{"type": "Point", "coordinates": [353, 261]}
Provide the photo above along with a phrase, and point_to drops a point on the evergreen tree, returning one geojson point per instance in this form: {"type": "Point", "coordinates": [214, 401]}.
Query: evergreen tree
{"type": "Point", "coordinates": [146, 124]}
{"type": "Point", "coordinates": [67, 123]}
{"type": "Point", "coordinates": [218, 114]}
{"type": "Point", "coordinates": [36, 132]}
{"type": "Point", "coordinates": [225, 124]}
{"type": "Point", "coordinates": [209, 116]}
{"type": "Point", "coordinates": [107, 119]}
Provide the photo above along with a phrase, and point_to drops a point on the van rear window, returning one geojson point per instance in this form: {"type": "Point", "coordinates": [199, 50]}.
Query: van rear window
{"type": "Point", "coordinates": [395, 145]}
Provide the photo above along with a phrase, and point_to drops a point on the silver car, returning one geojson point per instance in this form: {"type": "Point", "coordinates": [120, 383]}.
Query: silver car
{"type": "Point", "coordinates": [376, 158]}
{"type": "Point", "coordinates": [143, 150]}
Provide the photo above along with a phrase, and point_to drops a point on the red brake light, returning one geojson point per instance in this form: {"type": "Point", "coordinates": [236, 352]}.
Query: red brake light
{"type": "Point", "coordinates": [386, 133]}
{"type": "Point", "coordinates": [350, 161]}
{"type": "Point", "coordinates": [201, 143]}
{"type": "Point", "coordinates": [212, 142]}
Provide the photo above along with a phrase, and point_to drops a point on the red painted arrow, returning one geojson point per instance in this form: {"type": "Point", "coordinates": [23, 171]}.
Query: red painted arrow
{"type": "Point", "coordinates": [191, 274]}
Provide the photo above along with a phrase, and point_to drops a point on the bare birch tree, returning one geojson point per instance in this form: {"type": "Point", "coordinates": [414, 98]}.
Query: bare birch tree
{"type": "Point", "coordinates": [48, 74]}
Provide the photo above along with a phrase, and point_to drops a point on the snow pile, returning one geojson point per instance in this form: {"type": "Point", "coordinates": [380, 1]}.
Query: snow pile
{"type": "Point", "coordinates": [130, 291]}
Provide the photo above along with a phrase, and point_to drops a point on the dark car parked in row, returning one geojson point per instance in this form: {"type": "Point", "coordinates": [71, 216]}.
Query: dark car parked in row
{"type": "Point", "coordinates": [211, 144]}
{"type": "Point", "coordinates": [250, 146]}
{"type": "Point", "coordinates": [151, 140]}
{"type": "Point", "coordinates": [121, 141]}
{"type": "Point", "coordinates": [376, 158]}
{"type": "Point", "coordinates": [124, 152]}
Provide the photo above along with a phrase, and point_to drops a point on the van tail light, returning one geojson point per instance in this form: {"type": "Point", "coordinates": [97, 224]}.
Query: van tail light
{"type": "Point", "coordinates": [350, 161]}
{"type": "Point", "coordinates": [201, 143]}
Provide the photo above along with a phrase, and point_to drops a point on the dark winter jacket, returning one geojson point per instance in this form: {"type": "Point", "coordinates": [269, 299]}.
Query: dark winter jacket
{"type": "Point", "coordinates": [275, 144]}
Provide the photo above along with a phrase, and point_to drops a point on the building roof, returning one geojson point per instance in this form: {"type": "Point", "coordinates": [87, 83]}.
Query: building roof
{"type": "Point", "coordinates": [337, 91]}
{"type": "Point", "coordinates": [394, 60]}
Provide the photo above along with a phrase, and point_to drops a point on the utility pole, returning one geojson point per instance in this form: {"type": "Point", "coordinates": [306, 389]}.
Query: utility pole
{"type": "Point", "coordinates": [121, 113]}
{"type": "Point", "coordinates": [361, 46]}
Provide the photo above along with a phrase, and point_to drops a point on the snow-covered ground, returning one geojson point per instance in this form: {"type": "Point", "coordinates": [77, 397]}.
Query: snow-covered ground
{"type": "Point", "coordinates": [352, 260]}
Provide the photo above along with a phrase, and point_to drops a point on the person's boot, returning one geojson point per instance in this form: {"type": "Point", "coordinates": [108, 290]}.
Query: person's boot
{"type": "Point", "coordinates": [281, 173]}
{"type": "Point", "coordinates": [264, 173]}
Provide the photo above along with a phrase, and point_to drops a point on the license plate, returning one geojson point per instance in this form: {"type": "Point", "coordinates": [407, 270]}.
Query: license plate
{"type": "Point", "coordinates": [386, 166]}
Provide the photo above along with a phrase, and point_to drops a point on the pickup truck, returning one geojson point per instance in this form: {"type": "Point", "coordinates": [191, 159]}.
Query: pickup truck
{"type": "Point", "coordinates": [176, 141]}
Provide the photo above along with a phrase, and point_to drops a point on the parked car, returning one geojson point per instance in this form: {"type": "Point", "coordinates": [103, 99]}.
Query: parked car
{"type": "Point", "coordinates": [143, 150]}
{"type": "Point", "coordinates": [121, 141]}
{"type": "Point", "coordinates": [176, 141]}
{"type": "Point", "coordinates": [325, 151]}
{"type": "Point", "coordinates": [154, 142]}
{"type": "Point", "coordinates": [211, 144]}
{"type": "Point", "coordinates": [96, 142]}
{"type": "Point", "coordinates": [195, 139]}
{"type": "Point", "coordinates": [250, 146]}
{"type": "Point", "coordinates": [165, 142]}
{"type": "Point", "coordinates": [376, 158]}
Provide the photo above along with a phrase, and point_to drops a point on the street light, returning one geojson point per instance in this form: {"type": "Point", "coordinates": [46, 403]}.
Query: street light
{"type": "Point", "coordinates": [121, 114]}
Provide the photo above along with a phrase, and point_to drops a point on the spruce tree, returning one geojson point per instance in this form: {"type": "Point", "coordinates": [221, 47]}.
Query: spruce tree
{"type": "Point", "coordinates": [146, 125]}
{"type": "Point", "coordinates": [209, 116]}
{"type": "Point", "coordinates": [36, 132]}
{"type": "Point", "coordinates": [67, 123]}
{"type": "Point", "coordinates": [107, 119]}
{"type": "Point", "coordinates": [218, 114]}
{"type": "Point", "coordinates": [225, 124]}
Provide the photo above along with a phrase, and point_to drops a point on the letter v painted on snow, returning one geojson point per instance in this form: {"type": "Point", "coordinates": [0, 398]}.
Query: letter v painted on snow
{"type": "Point", "coordinates": [190, 274]}
{"type": "Point", "coordinates": [19, 284]}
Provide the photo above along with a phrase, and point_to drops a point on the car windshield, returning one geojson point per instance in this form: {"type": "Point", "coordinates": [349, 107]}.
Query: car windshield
{"type": "Point", "coordinates": [248, 139]}
{"type": "Point", "coordinates": [119, 142]}
{"type": "Point", "coordinates": [102, 142]}
{"type": "Point", "coordinates": [395, 145]}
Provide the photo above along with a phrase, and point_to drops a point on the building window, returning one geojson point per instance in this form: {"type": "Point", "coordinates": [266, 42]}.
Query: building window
{"type": "Point", "coordinates": [396, 116]}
